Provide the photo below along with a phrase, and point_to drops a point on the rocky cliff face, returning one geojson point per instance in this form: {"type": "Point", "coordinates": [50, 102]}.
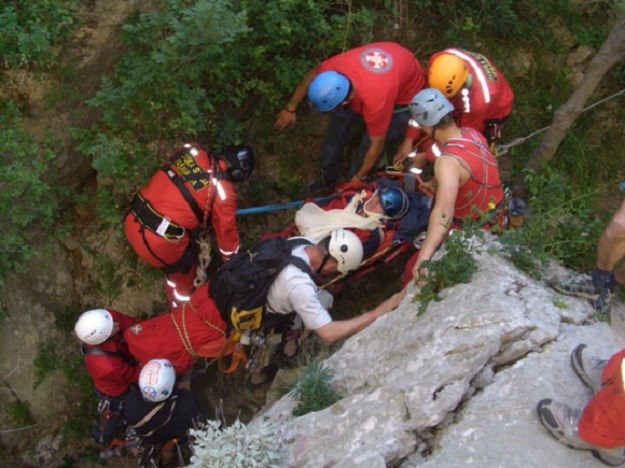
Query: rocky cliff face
{"type": "Point", "coordinates": [457, 385]}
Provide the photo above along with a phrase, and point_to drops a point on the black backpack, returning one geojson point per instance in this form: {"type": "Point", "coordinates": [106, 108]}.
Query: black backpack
{"type": "Point", "coordinates": [240, 286]}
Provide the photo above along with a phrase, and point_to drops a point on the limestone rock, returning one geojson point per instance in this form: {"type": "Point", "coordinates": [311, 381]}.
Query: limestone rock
{"type": "Point", "coordinates": [470, 369]}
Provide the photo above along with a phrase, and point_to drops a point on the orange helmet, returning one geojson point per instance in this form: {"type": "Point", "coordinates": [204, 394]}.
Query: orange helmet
{"type": "Point", "coordinates": [447, 73]}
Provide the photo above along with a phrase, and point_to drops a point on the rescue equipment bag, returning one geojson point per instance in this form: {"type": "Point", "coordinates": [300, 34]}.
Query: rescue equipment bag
{"type": "Point", "coordinates": [240, 286]}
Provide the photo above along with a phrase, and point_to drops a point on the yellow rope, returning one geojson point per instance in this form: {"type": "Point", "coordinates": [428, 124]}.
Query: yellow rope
{"type": "Point", "coordinates": [187, 344]}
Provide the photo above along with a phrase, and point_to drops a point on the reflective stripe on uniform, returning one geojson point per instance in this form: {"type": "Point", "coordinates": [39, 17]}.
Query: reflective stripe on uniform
{"type": "Point", "coordinates": [478, 70]}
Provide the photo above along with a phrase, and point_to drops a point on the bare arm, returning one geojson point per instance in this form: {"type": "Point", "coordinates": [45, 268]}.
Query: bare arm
{"type": "Point", "coordinates": [287, 116]}
{"type": "Point", "coordinates": [344, 328]}
{"type": "Point", "coordinates": [611, 245]}
{"type": "Point", "coordinates": [447, 172]}
{"type": "Point", "coordinates": [370, 158]}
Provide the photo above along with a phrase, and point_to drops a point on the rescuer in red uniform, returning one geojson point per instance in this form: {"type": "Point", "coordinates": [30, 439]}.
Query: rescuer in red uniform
{"type": "Point", "coordinates": [467, 181]}
{"type": "Point", "coordinates": [109, 363]}
{"type": "Point", "coordinates": [481, 96]}
{"type": "Point", "coordinates": [191, 189]}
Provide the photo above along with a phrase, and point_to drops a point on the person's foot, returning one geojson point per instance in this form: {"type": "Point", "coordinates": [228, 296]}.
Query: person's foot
{"type": "Point", "coordinates": [290, 353]}
{"type": "Point", "coordinates": [258, 378]}
{"type": "Point", "coordinates": [603, 301]}
{"type": "Point", "coordinates": [581, 286]}
{"type": "Point", "coordinates": [578, 286]}
{"type": "Point", "coordinates": [562, 421]}
{"type": "Point", "coordinates": [587, 367]}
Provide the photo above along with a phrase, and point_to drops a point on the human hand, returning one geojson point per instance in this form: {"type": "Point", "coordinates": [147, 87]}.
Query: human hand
{"type": "Point", "coordinates": [419, 275]}
{"type": "Point", "coordinates": [284, 119]}
{"type": "Point", "coordinates": [402, 152]}
{"type": "Point", "coordinates": [399, 159]}
{"type": "Point", "coordinates": [391, 303]}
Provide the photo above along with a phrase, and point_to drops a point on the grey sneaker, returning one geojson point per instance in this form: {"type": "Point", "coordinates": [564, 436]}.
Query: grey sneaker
{"type": "Point", "coordinates": [561, 421]}
{"type": "Point", "coordinates": [588, 367]}
{"type": "Point", "coordinates": [578, 286]}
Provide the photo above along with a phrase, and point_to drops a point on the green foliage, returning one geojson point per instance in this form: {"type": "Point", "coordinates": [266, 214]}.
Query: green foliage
{"type": "Point", "coordinates": [456, 266]}
{"type": "Point", "coordinates": [313, 390]}
{"type": "Point", "coordinates": [202, 67]}
{"type": "Point", "coordinates": [29, 203]}
{"type": "Point", "coordinates": [563, 224]}
{"type": "Point", "coordinates": [30, 30]}
{"type": "Point", "coordinates": [560, 302]}
{"type": "Point", "coordinates": [19, 413]}
{"type": "Point", "coordinates": [219, 446]}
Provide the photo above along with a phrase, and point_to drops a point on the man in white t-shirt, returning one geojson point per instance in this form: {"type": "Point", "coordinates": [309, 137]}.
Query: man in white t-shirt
{"type": "Point", "coordinates": [295, 291]}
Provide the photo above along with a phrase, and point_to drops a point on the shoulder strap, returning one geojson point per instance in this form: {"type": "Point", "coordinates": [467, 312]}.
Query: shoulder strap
{"type": "Point", "coordinates": [296, 261]}
{"type": "Point", "coordinates": [151, 414]}
{"type": "Point", "coordinates": [184, 191]}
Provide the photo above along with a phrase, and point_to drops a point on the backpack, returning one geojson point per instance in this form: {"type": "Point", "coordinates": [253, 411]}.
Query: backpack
{"type": "Point", "coordinates": [240, 286]}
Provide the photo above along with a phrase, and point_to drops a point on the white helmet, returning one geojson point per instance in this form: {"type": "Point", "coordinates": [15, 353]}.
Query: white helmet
{"type": "Point", "coordinates": [94, 326]}
{"type": "Point", "coordinates": [157, 379]}
{"type": "Point", "coordinates": [346, 248]}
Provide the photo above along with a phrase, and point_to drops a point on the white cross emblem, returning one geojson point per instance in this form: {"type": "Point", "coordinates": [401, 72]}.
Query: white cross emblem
{"type": "Point", "coordinates": [376, 60]}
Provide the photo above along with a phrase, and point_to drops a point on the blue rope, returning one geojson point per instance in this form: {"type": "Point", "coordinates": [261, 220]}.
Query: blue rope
{"type": "Point", "coordinates": [280, 206]}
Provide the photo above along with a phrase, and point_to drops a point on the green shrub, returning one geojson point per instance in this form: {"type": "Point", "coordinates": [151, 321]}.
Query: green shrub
{"type": "Point", "coordinates": [456, 266]}
{"type": "Point", "coordinates": [29, 203]}
{"type": "Point", "coordinates": [313, 390]}
{"type": "Point", "coordinates": [563, 224]}
{"type": "Point", "coordinates": [30, 30]}
{"type": "Point", "coordinates": [19, 413]}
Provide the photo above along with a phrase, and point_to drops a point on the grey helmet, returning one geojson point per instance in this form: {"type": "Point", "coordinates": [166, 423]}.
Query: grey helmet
{"type": "Point", "coordinates": [429, 106]}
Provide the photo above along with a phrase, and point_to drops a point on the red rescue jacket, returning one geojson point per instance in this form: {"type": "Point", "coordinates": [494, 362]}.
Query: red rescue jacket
{"type": "Point", "coordinates": [211, 196]}
{"type": "Point", "coordinates": [112, 374]}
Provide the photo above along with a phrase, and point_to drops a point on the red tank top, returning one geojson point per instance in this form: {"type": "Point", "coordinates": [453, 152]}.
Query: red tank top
{"type": "Point", "coordinates": [483, 190]}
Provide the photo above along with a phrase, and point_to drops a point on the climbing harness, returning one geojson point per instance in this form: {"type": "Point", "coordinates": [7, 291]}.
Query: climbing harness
{"type": "Point", "coordinates": [500, 150]}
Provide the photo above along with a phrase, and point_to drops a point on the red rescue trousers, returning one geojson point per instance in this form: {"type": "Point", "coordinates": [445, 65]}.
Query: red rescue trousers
{"type": "Point", "coordinates": [161, 252]}
{"type": "Point", "coordinates": [603, 419]}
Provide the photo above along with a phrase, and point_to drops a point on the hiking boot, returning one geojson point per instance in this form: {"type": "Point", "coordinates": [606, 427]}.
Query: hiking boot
{"type": "Point", "coordinates": [561, 421]}
{"type": "Point", "coordinates": [588, 367]}
{"type": "Point", "coordinates": [603, 301]}
{"type": "Point", "coordinates": [578, 286]}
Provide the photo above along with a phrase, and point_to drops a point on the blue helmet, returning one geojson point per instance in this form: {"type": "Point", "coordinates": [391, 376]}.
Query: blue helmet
{"type": "Point", "coordinates": [327, 90]}
{"type": "Point", "coordinates": [429, 106]}
{"type": "Point", "coordinates": [394, 202]}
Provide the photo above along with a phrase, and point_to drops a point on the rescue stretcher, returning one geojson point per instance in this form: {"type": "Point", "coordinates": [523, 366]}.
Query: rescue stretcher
{"type": "Point", "coordinates": [398, 236]}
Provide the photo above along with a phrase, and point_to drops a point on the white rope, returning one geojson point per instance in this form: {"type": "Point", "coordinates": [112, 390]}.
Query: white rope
{"type": "Point", "coordinates": [500, 150]}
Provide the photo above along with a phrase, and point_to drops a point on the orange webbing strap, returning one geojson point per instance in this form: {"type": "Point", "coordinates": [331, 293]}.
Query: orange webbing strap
{"type": "Point", "coordinates": [235, 349]}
